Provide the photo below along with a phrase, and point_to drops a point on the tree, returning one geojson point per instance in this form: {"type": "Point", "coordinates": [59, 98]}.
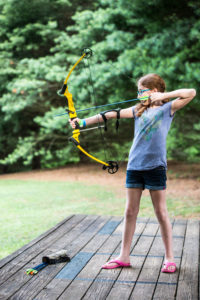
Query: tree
{"type": "Point", "coordinates": [128, 40]}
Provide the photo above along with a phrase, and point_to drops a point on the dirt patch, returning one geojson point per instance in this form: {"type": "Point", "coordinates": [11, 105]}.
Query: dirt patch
{"type": "Point", "coordinates": [183, 179]}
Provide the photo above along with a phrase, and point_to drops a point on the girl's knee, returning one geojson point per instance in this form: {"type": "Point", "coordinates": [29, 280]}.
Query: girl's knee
{"type": "Point", "coordinates": [131, 212]}
{"type": "Point", "coordinates": [162, 215]}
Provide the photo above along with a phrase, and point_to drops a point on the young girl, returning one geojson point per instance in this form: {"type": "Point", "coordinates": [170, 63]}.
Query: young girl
{"type": "Point", "coordinates": [147, 162]}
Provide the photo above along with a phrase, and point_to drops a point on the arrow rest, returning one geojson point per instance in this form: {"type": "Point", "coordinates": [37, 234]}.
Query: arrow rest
{"type": "Point", "coordinates": [112, 168]}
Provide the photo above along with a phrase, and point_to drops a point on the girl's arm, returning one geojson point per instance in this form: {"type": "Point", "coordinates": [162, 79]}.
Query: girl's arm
{"type": "Point", "coordinates": [124, 113]}
{"type": "Point", "coordinates": [184, 96]}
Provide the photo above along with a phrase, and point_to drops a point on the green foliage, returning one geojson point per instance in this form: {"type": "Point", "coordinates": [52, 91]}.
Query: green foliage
{"type": "Point", "coordinates": [41, 40]}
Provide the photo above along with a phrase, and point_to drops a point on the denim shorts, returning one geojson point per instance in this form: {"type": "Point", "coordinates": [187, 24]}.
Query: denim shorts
{"type": "Point", "coordinates": [154, 179]}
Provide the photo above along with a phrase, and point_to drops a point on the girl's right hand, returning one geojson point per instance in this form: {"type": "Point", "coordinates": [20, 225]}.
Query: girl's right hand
{"type": "Point", "coordinates": [157, 96]}
{"type": "Point", "coordinates": [73, 122]}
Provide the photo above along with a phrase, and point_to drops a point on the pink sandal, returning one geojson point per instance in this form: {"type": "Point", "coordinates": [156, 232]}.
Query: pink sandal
{"type": "Point", "coordinates": [118, 264]}
{"type": "Point", "coordinates": [166, 267]}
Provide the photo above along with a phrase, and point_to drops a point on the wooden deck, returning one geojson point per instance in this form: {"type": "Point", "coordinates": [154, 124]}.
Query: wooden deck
{"type": "Point", "coordinates": [90, 242]}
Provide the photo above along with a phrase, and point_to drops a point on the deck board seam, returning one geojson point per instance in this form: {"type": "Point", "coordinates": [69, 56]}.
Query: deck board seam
{"type": "Point", "coordinates": [101, 269]}
{"type": "Point", "coordinates": [40, 251]}
{"type": "Point", "coordinates": [97, 217]}
{"type": "Point", "coordinates": [138, 238]}
{"type": "Point", "coordinates": [91, 257]}
{"type": "Point", "coordinates": [173, 224]}
{"type": "Point", "coordinates": [175, 294]}
{"type": "Point", "coordinates": [144, 260]}
{"type": "Point", "coordinates": [31, 278]}
{"type": "Point", "coordinates": [27, 246]}
{"type": "Point", "coordinates": [146, 241]}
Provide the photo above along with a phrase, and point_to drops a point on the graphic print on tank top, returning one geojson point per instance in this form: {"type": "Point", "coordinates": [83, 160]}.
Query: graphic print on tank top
{"type": "Point", "coordinates": [148, 125]}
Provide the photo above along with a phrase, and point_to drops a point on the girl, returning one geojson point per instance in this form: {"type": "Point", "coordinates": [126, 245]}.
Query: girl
{"type": "Point", "coordinates": [147, 160]}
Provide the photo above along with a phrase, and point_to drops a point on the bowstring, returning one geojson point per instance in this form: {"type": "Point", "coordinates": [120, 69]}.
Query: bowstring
{"type": "Point", "coordinates": [131, 79]}
{"type": "Point", "coordinates": [99, 106]}
{"type": "Point", "coordinates": [104, 139]}
{"type": "Point", "coordinates": [94, 98]}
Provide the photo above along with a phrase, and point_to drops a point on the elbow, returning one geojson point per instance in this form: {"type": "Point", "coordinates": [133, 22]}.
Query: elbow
{"type": "Point", "coordinates": [193, 93]}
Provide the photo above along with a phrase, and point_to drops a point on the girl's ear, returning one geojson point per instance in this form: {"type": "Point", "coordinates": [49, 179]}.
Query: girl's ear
{"type": "Point", "coordinates": [155, 90]}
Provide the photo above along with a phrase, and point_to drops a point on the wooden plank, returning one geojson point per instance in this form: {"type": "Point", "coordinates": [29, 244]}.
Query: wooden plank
{"type": "Point", "coordinates": [65, 242]}
{"type": "Point", "coordinates": [139, 231]}
{"type": "Point", "coordinates": [144, 243]}
{"type": "Point", "coordinates": [54, 285]}
{"type": "Point", "coordinates": [78, 288]}
{"type": "Point", "coordinates": [81, 284]}
{"type": "Point", "coordinates": [147, 279]}
{"type": "Point", "coordinates": [90, 242]}
{"type": "Point", "coordinates": [188, 279]}
{"type": "Point", "coordinates": [126, 280]}
{"type": "Point", "coordinates": [167, 283]}
{"type": "Point", "coordinates": [100, 282]}
{"type": "Point", "coordinates": [108, 277]}
{"type": "Point", "coordinates": [128, 276]}
{"type": "Point", "coordinates": [145, 285]}
{"type": "Point", "coordinates": [13, 266]}
{"type": "Point", "coordinates": [13, 255]}
{"type": "Point", "coordinates": [26, 284]}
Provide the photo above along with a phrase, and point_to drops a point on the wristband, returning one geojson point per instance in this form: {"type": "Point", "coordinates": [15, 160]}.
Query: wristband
{"type": "Point", "coordinates": [82, 123]}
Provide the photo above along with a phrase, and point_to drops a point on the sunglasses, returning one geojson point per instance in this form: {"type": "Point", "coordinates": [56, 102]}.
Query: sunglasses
{"type": "Point", "coordinates": [140, 92]}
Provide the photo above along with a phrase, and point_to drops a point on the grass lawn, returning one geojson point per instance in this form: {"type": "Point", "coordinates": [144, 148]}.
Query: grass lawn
{"type": "Point", "coordinates": [29, 208]}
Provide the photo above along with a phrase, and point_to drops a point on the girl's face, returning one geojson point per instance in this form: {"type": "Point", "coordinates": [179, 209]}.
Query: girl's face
{"type": "Point", "coordinates": [143, 91]}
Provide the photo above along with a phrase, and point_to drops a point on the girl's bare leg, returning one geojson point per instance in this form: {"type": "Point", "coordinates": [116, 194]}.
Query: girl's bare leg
{"type": "Point", "coordinates": [131, 212]}
{"type": "Point", "coordinates": [159, 202]}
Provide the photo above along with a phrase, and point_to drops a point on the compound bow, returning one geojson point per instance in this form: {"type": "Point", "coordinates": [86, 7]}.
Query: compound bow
{"type": "Point", "coordinates": [111, 166]}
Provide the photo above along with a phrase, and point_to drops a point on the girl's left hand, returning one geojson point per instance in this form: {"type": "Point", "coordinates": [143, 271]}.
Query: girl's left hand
{"type": "Point", "coordinates": [73, 122]}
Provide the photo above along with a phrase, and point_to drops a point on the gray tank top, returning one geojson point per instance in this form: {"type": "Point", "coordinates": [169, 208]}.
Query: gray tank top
{"type": "Point", "coordinates": [148, 150]}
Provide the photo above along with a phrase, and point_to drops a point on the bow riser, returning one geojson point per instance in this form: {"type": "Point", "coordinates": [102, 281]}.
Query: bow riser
{"type": "Point", "coordinates": [71, 108]}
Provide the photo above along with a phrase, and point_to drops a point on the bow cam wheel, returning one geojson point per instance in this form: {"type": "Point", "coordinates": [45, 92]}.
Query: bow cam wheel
{"type": "Point", "coordinates": [112, 168]}
{"type": "Point", "coordinates": [88, 52]}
